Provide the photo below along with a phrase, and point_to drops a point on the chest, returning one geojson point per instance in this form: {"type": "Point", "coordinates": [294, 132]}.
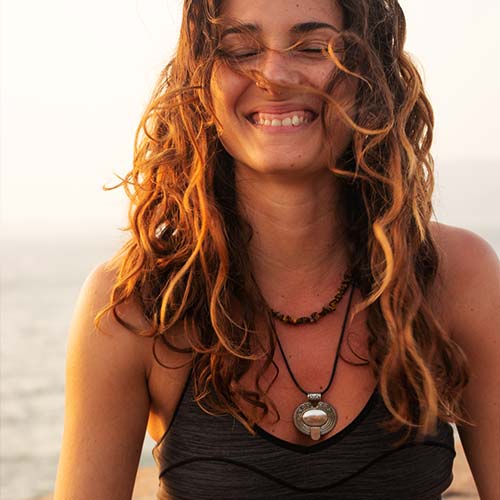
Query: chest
{"type": "Point", "coordinates": [203, 456]}
{"type": "Point", "coordinates": [311, 351]}
{"type": "Point", "coordinates": [331, 358]}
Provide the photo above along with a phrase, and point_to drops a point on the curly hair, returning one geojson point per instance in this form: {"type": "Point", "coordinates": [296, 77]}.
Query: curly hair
{"type": "Point", "coordinates": [186, 261]}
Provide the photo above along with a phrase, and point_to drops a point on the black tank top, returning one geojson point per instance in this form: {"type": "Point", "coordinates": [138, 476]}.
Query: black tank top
{"type": "Point", "coordinates": [203, 457]}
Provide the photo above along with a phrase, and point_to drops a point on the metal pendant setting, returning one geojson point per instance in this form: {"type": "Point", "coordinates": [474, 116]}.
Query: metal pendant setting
{"type": "Point", "coordinates": [315, 418]}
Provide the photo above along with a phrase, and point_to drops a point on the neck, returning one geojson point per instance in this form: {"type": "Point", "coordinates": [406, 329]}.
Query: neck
{"type": "Point", "coordinates": [297, 248]}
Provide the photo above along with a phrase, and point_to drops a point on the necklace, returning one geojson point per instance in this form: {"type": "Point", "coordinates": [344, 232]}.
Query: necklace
{"type": "Point", "coordinates": [315, 417]}
{"type": "Point", "coordinates": [315, 316]}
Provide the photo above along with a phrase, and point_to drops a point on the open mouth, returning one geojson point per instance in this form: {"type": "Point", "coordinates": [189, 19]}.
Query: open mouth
{"type": "Point", "coordinates": [288, 119]}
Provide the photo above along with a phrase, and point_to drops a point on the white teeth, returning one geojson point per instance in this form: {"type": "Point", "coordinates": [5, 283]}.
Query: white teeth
{"type": "Point", "coordinates": [294, 120]}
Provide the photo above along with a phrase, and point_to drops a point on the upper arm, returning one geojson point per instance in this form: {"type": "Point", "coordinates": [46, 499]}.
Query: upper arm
{"type": "Point", "coordinates": [472, 295]}
{"type": "Point", "coordinates": [107, 402]}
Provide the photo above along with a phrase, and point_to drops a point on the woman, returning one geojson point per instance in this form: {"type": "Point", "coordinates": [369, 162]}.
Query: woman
{"type": "Point", "coordinates": [282, 165]}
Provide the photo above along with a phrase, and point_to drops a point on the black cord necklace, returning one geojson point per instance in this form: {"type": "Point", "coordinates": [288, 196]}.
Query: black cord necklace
{"type": "Point", "coordinates": [315, 417]}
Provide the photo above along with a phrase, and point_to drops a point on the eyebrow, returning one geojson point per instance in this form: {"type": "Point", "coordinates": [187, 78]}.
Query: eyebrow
{"type": "Point", "coordinates": [300, 28]}
{"type": "Point", "coordinates": [312, 26]}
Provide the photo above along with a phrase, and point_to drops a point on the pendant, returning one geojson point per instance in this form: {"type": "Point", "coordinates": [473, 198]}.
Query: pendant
{"type": "Point", "coordinates": [315, 417]}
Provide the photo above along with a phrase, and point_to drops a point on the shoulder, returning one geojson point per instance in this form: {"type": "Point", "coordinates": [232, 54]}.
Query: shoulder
{"type": "Point", "coordinates": [107, 398]}
{"type": "Point", "coordinates": [469, 299]}
{"type": "Point", "coordinates": [134, 349]}
{"type": "Point", "coordinates": [109, 335]}
{"type": "Point", "coordinates": [457, 245]}
{"type": "Point", "coordinates": [468, 279]}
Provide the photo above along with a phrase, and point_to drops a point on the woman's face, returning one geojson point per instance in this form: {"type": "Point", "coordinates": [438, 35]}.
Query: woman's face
{"type": "Point", "coordinates": [263, 128]}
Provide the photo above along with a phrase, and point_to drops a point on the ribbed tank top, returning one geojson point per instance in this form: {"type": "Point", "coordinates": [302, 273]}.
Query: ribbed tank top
{"type": "Point", "coordinates": [203, 457]}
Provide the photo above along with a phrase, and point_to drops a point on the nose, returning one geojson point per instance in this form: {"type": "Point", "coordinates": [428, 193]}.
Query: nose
{"type": "Point", "coordinates": [277, 68]}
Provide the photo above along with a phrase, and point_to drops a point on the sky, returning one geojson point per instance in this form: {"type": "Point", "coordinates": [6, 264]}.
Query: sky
{"type": "Point", "coordinates": [76, 77]}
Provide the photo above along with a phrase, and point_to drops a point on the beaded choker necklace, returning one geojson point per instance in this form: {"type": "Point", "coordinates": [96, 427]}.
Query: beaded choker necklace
{"type": "Point", "coordinates": [315, 316]}
{"type": "Point", "coordinates": [314, 417]}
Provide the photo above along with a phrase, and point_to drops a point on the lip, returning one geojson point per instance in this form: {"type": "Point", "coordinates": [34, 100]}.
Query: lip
{"type": "Point", "coordinates": [281, 109]}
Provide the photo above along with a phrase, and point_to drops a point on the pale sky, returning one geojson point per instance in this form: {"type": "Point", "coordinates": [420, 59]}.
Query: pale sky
{"type": "Point", "coordinates": [77, 75]}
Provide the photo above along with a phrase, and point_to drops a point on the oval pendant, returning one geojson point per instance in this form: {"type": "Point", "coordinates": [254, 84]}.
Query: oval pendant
{"type": "Point", "coordinates": [315, 418]}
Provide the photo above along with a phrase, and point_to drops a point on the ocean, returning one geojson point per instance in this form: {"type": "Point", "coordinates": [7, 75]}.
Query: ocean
{"type": "Point", "coordinates": [40, 281]}
{"type": "Point", "coordinates": [39, 287]}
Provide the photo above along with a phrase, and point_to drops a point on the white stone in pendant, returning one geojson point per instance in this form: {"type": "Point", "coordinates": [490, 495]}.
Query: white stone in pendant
{"type": "Point", "coordinates": [315, 417]}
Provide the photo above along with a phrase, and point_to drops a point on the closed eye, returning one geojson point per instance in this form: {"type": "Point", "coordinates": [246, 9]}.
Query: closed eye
{"type": "Point", "coordinates": [239, 53]}
{"type": "Point", "coordinates": [316, 47]}
{"type": "Point", "coordinates": [245, 54]}
{"type": "Point", "coordinates": [311, 50]}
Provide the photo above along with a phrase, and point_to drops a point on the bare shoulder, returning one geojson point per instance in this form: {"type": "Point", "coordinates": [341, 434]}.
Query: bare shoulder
{"type": "Point", "coordinates": [469, 276]}
{"type": "Point", "coordinates": [135, 349]}
{"type": "Point", "coordinates": [93, 298]}
{"type": "Point", "coordinates": [131, 356]}
{"type": "Point", "coordinates": [107, 400]}
{"type": "Point", "coordinates": [470, 298]}
{"type": "Point", "coordinates": [469, 305]}
{"type": "Point", "coordinates": [463, 248]}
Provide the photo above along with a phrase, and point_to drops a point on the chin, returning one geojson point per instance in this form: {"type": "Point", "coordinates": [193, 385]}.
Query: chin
{"type": "Point", "coordinates": [290, 168]}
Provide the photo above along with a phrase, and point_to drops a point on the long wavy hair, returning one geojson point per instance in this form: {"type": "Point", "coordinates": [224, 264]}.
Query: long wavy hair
{"type": "Point", "coordinates": [186, 261]}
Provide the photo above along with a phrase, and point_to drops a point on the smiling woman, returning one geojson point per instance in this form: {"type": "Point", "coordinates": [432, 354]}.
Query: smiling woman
{"type": "Point", "coordinates": [284, 319]}
{"type": "Point", "coordinates": [275, 124]}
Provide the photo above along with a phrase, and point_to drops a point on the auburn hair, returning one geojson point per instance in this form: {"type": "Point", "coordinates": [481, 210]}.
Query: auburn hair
{"type": "Point", "coordinates": [186, 261]}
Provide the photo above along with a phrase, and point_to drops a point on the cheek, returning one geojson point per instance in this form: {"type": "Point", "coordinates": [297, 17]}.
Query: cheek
{"type": "Point", "coordinates": [217, 94]}
{"type": "Point", "coordinates": [349, 91]}
{"type": "Point", "coordinates": [345, 96]}
{"type": "Point", "coordinates": [226, 87]}
{"type": "Point", "coordinates": [338, 133]}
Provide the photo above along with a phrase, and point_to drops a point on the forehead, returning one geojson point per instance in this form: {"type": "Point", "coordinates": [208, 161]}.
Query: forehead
{"type": "Point", "coordinates": [279, 15]}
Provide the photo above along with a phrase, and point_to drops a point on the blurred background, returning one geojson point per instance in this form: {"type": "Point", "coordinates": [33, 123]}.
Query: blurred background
{"type": "Point", "coordinates": [75, 78]}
